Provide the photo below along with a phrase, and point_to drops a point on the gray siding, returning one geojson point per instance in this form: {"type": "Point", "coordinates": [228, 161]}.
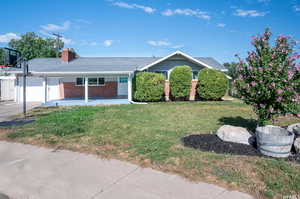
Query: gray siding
{"type": "Point", "coordinates": [168, 65]}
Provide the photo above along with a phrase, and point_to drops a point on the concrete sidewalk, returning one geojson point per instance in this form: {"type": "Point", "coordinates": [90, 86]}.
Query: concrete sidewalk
{"type": "Point", "coordinates": [38, 173]}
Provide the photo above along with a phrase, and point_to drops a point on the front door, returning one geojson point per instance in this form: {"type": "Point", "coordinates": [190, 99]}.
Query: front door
{"type": "Point", "coordinates": [123, 86]}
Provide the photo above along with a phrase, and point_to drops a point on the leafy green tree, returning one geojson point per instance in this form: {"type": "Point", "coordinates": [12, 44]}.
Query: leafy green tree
{"type": "Point", "coordinates": [232, 69]}
{"type": "Point", "coordinates": [33, 46]}
{"type": "Point", "coordinates": [269, 77]}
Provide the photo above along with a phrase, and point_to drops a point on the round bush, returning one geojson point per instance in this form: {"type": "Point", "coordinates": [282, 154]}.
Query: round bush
{"type": "Point", "coordinates": [148, 87]}
{"type": "Point", "coordinates": [181, 82]}
{"type": "Point", "coordinates": [212, 84]}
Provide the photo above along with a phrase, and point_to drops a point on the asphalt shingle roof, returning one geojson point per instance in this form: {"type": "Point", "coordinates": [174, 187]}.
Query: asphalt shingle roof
{"type": "Point", "coordinates": [102, 64]}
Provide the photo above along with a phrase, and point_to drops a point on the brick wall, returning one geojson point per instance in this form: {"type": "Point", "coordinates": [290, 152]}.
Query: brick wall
{"type": "Point", "coordinates": [70, 90]}
{"type": "Point", "coordinates": [193, 91]}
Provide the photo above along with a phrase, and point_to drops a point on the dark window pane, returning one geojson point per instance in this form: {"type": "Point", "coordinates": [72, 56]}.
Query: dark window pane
{"type": "Point", "coordinates": [92, 81]}
{"type": "Point", "coordinates": [195, 75]}
{"type": "Point", "coordinates": [79, 81]}
{"type": "Point", "coordinates": [101, 81]}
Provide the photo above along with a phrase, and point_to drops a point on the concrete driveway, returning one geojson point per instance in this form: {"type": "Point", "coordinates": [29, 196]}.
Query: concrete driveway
{"type": "Point", "coordinates": [8, 110]}
{"type": "Point", "coordinates": [32, 172]}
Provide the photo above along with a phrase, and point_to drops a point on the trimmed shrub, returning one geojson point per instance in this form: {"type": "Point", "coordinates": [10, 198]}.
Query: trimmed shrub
{"type": "Point", "coordinates": [148, 87]}
{"type": "Point", "coordinates": [181, 82]}
{"type": "Point", "coordinates": [212, 84]}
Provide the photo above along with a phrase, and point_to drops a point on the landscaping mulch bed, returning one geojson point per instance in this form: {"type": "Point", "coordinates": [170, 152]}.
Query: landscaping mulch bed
{"type": "Point", "coordinates": [211, 143]}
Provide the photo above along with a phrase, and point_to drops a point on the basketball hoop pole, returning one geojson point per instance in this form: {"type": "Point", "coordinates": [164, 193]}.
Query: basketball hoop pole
{"type": "Point", "coordinates": [25, 67]}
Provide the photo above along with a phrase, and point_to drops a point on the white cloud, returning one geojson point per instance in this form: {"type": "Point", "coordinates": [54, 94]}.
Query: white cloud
{"type": "Point", "coordinates": [187, 12]}
{"type": "Point", "coordinates": [297, 8]}
{"type": "Point", "coordinates": [93, 43]}
{"type": "Point", "coordinates": [65, 40]}
{"type": "Point", "coordinates": [249, 13]}
{"type": "Point", "coordinates": [178, 46]}
{"type": "Point", "coordinates": [108, 43]}
{"type": "Point", "coordinates": [53, 27]}
{"type": "Point", "coordinates": [158, 43]}
{"type": "Point", "coordinates": [221, 25]}
{"type": "Point", "coordinates": [134, 6]}
{"type": "Point", "coordinates": [5, 38]}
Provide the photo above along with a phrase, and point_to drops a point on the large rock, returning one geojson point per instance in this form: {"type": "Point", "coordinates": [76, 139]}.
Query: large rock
{"type": "Point", "coordinates": [297, 145]}
{"type": "Point", "coordinates": [292, 127]}
{"type": "Point", "coordinates": [230, 133]}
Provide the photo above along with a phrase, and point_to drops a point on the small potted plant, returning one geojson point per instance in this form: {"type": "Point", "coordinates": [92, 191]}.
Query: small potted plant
{"type": "Point", "coordinates": [268, 81]}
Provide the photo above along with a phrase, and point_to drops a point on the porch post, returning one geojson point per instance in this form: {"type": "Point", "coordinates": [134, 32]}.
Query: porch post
{"type": "Point", "coordinates": [45, 86]}
{"type": "Point", "coordinates": [86, 89]}
{"type": "Point", "coordinates": [129, 87]}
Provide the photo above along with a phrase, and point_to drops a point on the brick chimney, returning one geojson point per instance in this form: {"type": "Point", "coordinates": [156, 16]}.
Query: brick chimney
{"type": "Point", "coordinates": [67, 55]}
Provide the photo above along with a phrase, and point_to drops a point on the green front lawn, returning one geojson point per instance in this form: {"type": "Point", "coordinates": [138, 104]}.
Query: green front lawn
{"type": "Point", "coordinates": [150, 135]}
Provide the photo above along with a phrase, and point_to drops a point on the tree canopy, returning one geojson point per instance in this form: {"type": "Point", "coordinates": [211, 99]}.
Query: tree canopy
{"type": "Point", "coordinates": [33, 46]}
{"type": "Point", "coordinates": [232, 69]}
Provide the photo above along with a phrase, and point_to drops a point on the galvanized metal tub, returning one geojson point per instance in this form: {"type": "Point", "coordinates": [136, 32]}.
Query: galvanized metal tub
{"type": "Point", "coordinates": [274, 141]}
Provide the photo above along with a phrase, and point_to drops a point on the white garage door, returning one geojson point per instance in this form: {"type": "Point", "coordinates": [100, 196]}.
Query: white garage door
{"type": "Point", "coordinates": [34, 89]}
{"type": "Point", "coordinates": [7, 89]}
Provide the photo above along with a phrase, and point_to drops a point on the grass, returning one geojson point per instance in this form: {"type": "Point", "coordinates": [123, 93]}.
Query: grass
{"type": "Point", "coordinates": [149, 135]}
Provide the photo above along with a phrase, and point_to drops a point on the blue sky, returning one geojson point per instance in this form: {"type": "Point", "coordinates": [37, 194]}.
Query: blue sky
{"type": "Point", "coordinates": [216, 28]}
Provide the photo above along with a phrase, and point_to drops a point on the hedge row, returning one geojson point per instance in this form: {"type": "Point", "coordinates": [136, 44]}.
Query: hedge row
{"type": "Point", "coordinates": [149, 87]}
{"type": "Point", "coordinates": [181, 82]}
{"type": "Point", "coordinates": [212, 84]}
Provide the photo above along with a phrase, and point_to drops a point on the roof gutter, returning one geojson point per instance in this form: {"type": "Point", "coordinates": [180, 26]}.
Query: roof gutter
{"type": "Point", "coordinates": [81, 73]}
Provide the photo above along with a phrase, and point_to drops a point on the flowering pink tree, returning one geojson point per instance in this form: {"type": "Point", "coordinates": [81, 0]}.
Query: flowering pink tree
{"type": "Point", "coordinates": [268, 79]}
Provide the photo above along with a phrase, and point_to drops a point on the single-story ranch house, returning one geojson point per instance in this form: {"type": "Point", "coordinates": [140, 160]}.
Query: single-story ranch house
{"type": "Point", "coordinates": [98, 77]}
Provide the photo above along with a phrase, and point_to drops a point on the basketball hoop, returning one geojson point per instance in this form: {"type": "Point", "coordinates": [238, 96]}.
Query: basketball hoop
{"type": "Point", "coordinates": [10, 58]}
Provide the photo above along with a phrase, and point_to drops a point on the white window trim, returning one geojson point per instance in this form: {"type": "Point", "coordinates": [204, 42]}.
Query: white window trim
{"type": "Point", "coordinates": [89, 84]}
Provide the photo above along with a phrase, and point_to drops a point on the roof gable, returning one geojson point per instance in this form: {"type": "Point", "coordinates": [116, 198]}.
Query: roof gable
{"type": "Point", "coordinates": [206, 62]}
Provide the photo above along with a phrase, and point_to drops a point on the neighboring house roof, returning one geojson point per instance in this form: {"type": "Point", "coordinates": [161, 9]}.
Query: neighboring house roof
{"type": "Point", "coordinates": [109, 64]}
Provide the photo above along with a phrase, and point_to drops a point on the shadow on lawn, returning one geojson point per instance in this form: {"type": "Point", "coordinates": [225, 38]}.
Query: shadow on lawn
{"type": "Point", "coordinates": [250, 124]}
{"type": "Point", "coordinates": [15, 123]}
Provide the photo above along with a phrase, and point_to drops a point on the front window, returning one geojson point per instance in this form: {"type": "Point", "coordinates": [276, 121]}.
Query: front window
{"type": "Point", "coordinates": [164, 73]}
{"type": "Point", "coordinates": [79, 81]}
{"type": "Point", "coordinates": [195, 75]}
{"type": "Point", "coordinates": [101, 81]}
{"type": "Point", "coordinates": [92, 81]}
